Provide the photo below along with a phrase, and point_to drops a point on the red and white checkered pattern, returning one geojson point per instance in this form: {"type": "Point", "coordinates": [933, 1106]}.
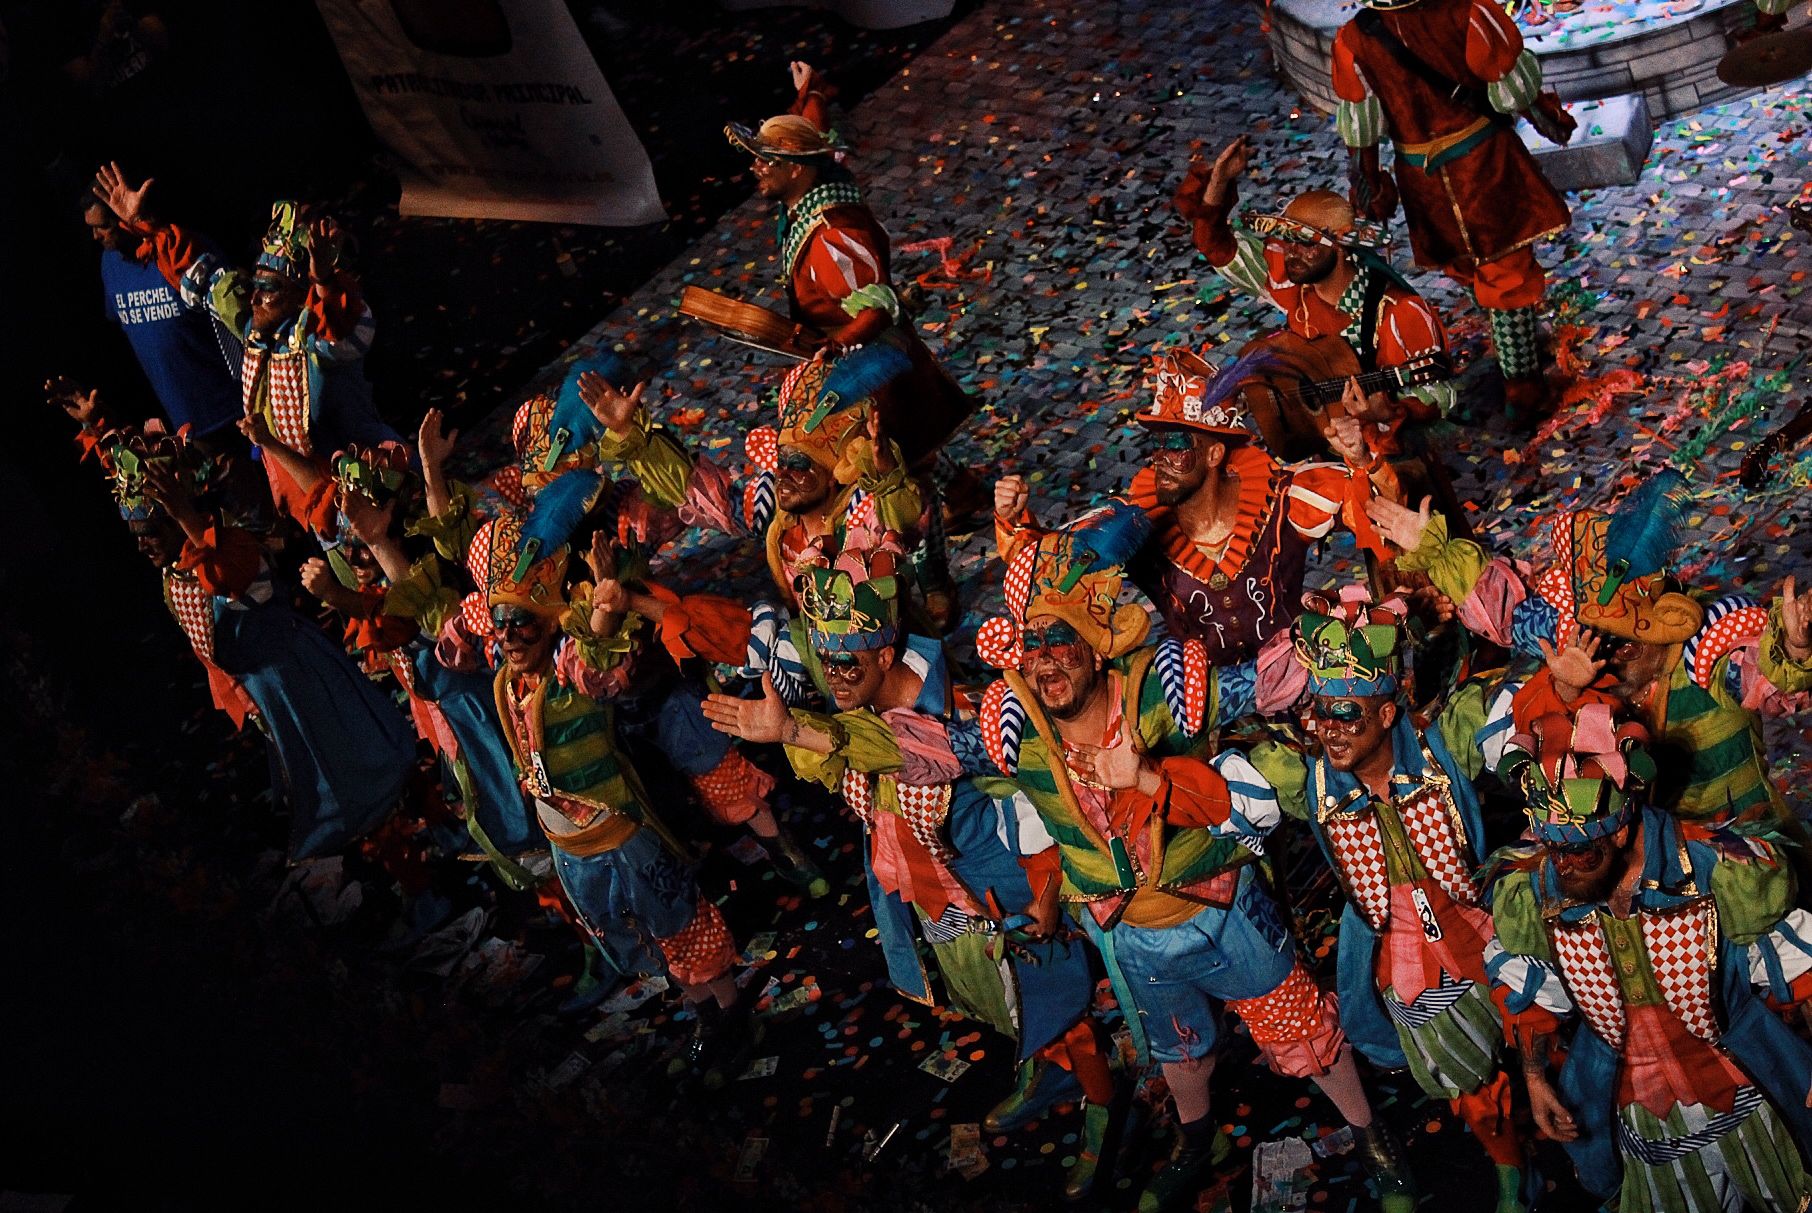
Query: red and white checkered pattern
{"type": "Point", "coordinates": [1358, 848]}
{"type": "Point", "coordinates": [1717, 638]}
{"type": "Point", "coordinates": [859, 794]}
{"type": "Point", "coordinates": [1681, 943]}
{"type": "Point", "coordinates": [288, 403]}
{"type": "Point", "coordinates": [704, 950]}
{"type": "Point", "coordinates": [193, 607]}
{"type": "Point", "coordinates": [1429, 822]}
{"type": "Point", "coordinates": [924, 810]}
{"type": "Point", "coordinates": [1585, 964]}
{"type": "Point", "coordinates": [1195, 685]}
{"type": "Point", "coordinates": [992, 699]}
{"type": "Point", "coordinates": [401, 668]}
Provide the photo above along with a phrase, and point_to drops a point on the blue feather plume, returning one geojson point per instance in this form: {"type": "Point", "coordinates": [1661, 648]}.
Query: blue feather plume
{"type": "Point", "coordinates": [571, 414]}
{"type": "Point", "coordinates": [558, 510]}
{"type": "Point", "coordinates": [1109, 535]}
{"type": "Point", "coordinates": [858, 375]}
{"type": "Point", "coordinates": [1647, 527]}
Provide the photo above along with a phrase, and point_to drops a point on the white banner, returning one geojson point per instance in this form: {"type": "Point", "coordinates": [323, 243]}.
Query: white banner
{"type": "Point", "coordinates": [496, 110]}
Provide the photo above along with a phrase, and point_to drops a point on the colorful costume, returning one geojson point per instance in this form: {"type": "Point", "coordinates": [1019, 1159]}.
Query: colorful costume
{"type": "Point", "coordinates": [1689, 1095]}
{"type": "Point", "coordinates": [340, 749]}
{"type": "Point", "coordinates": [305, 379]}
{"type": "Point", "coordinates": [1726, 661]}
{"type": "Point", "coordinates": [1416, 945]}
{"type": "Point", "coordinates": [1445, 79]}
{"type": "Point", "coordinates": [615, 858]}
{"type": "Point", "coordinates": [835, 263]}
{"type": "Point", "coordinates": [1241, 595]}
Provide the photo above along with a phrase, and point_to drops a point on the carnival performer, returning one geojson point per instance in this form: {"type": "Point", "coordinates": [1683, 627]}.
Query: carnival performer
{"type": "Point", "coordinates": [1231, 527]}
{"type": "Point", "coordinates": [945, 859]}
{"type": "Point", "coordinates": [1156, 846]}
{"type": "Point", "coordinates": [1393, 807]}
{"type": "Point", "coordinates": [1446, 80]}
{"type": "Point", "coordinates": [562, 666]}
{"type": "Point", "coordinates": [300, 316]}
{"type": "Point", "coordinates": [1606, 613]}
{"type": "Point", "coordinates": [342, 751]}
{"type": "Point", "coordinates": [565, 444]}
{"type": "Point", "coordinates": [1675, 941]}
{"type": "Point", "coordinates": [1320, 265]}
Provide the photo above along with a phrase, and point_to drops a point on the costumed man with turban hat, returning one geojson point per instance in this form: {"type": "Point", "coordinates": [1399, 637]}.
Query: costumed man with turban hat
{"type": "Point", "coordinates": [1607, 614]}
{"type": "Point", "coordinates": [946, 858]}
{"type": "Point", "coordinates": [562, 667]}
{"type": "Point", "coordinates": [303, 322]}
{"type": "Point", "coordinates": [1393, 807]}
{"type": "Point", "coordinates": [1230, 526]}
{"type": "Point", "coordinates": [341, 750]}
{"type": "Point", "coordinates": [1157, 845]}
{"type": "Point", "coordinates": [1674, 942]}
{"type": "Point", "coordinates": [1446, 81]}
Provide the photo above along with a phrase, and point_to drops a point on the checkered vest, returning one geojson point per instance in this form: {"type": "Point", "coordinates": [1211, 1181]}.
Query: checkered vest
{"type": "Point", "coordinates": [1428, 818]}
{"type": "Point", "coordinates": [923, 809]}
{"type": "Point", "coordinates": [289, 403]}
{"type": "Point", "coordinates": [193, 606]}
{"type": "Point", "coordinates": [1679, 954]}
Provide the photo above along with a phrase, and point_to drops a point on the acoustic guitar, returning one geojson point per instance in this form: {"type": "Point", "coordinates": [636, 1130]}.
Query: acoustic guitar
{"type": "Point", "coordinates": [1289, 401]}
{"type": "Point", "coordinates": [747, 324]}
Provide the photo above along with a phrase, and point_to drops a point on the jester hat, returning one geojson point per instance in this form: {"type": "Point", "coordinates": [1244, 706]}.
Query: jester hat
{"type": "Point", "coordinates": [130, 451]}
{"type": "Point", "coordinates": [556, 432]}
{"type": "Point", "coordinates": [1610, 566]}
{"type": "Point", "coordinates": [824, 408]}
{"type": "Point", "coordinates": [1190, 392]}
{"type": "Point", "coordinates": [380, 473]}
{"type": "Point", "coordinates": [1073, 574]}
{"type": "Point", "coordinates": [1580, 776]}
{"type": "Point", "coordinates": [509, 575]}
{"type": "Point", "coordinates": [287, 241]}
{"type": "Point", "coordinates": [852, 603]}
{"type": "Point", "coordinates": [1351, 646]}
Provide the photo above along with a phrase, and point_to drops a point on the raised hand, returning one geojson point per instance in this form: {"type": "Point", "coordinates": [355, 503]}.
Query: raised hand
{"type": "Point", "coordinates": [760, 720]}
{"type": "Point", "coordinates": [1228, 168]}
{"type": "Point", "coordinates": [1012, 494]}
{"type": "Point", "coordinates": [877, 441]}
{"type": "Point", "coordinates": [1399, 524]}
{"type": "Point", "coordinates": [434, 440]}
{"type": "Point", "coordinates": [83, 407]}
{"type": "Point", "coordinates": [801, 72]}
{"type": "Point", "coordinates": [163, 486]}
{"type": "Point", "coordinates": [1796, 621]}
{"type": "Point", "coordinates": [368, 520]}
{"type": "Point", "coordinates": [1574, 662]}
{"type": "Point", "coordinates": [612, 408]}
{"type": "Point", "coordinates": [324, 241]}
{"type": "Point", "coordinates": [318, 579]}
{"type": "Point", "coordinates": [117, 194]}
{"type": "Point", "coordinates": [257, 429]}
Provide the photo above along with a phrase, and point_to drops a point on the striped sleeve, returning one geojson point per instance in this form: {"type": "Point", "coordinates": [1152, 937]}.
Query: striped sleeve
{"type": "Point", "coordinates": [1517, 90]}
{"type": "Point", "coordinates": [840, 262]}
{"type": "Point", "coordinates": [1314, 498]}
{"type": "Point", "coordinates": [1255, 811]}
{"type": "Point", "coordinates": [1247, 269]}
{"type": "Point", "coordinates": [772, 652]}
{"type": "Point", "coordinates": [1357, 115]}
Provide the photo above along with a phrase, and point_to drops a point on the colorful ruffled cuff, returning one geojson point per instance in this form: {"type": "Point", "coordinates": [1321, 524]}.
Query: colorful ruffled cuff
{"type": "Point", "coordinates": [1454, 565]}
{"type": "Point", "coordinates": [451, 531]}
{"type": "Point", "coordinates": [1774, 663]}
{"type": "Point", "coordinates": [423, 597]}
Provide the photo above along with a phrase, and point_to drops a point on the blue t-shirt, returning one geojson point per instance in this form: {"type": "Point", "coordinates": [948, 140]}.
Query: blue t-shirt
{"type": "Point", "coordinates": [188, 358]}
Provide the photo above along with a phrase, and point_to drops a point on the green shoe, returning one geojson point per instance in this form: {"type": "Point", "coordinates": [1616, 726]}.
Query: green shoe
{"type": "Point", "coordinates": [1101, 1129]}
{"type": "Point", "coordinates": [1511, 1185]}
{"type": "Point", "coordinates": [1178, 1184]}
{"type": "Point", "coordinates": [1041, 1084]}
{"type": "Point", "coordinates": [795, 866]}
{"type": "Point", "coordinates": [1382, 1159]}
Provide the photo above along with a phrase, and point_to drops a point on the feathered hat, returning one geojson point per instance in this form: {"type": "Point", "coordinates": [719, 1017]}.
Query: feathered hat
{"type": "Point", "coordinates": [556, 432]}
{"type": "Point", "coordinates": [1610, 567]}
{"type": "Point", "coordinates": [1351, 645]}
{"type": "Point", "coordinates": [1073, 574]}
{"type": "Point", "coordinates": [1190, 392]}
{"type": "Point", "coordinates": [1582, 776]}
{"type": "Point", "coordinates": [508, 575]}
{"type": "Point", "coordinates": [824, 411]}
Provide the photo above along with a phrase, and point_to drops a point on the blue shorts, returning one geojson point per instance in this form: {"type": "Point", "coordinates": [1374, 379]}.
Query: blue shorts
{"type": "Point", "coordinates": [1178, 976]}
{"type": "Point", "coordinates": [630, 897]}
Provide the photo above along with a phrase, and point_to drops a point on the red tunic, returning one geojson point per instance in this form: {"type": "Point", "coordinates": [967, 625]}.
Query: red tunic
{"type": "Point", "coordinates": [1486, 201]}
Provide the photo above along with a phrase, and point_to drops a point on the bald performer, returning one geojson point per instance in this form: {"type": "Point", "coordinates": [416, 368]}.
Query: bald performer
{"type": "Point", "coordinates": [1311, 262]}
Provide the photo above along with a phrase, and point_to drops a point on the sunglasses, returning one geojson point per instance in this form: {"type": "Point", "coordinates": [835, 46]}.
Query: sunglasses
{"type": "Point", "coordinates": [264, 285]}
{"type": "Point", "coordinates": [1174, 440]}
{"type": "Point", "coordinates": [1340, 715]}
{"type": "Point", "coordinates": [794, 460]}
{"type": "Point", "coordinates": [506, 619]}
{"type": "Point", "coordinates": [844, 667]}
{"type": "Point", "coordinates": [1060, 641]}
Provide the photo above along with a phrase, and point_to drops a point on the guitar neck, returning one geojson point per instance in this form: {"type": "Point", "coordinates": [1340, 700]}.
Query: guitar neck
{"type": "Point", "coordinates": [1324, 391]}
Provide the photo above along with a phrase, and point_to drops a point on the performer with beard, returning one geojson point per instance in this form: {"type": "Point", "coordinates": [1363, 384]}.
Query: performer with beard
{"type": "Point", "coordinates": [1231, 527]}
{"type": "Point", "coordinates": [1680, 1092]}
